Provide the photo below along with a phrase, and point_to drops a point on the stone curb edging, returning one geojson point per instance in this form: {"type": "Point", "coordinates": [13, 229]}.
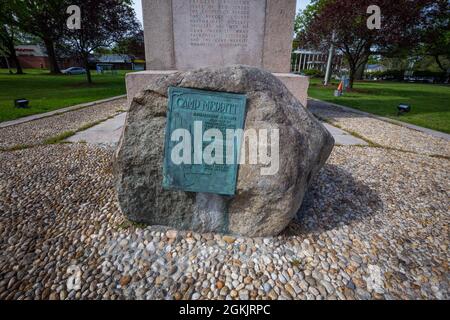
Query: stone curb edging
{"type": "Point", "coordinates": [6, 124]}
{"type": "Point", "coordinates": [431, 132]}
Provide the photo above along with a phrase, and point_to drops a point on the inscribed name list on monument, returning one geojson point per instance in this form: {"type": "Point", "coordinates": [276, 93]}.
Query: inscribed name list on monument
{"type": "Point", "coordinates": [201, 144]}
{"type": "Point", "coordinates": [218, 32]}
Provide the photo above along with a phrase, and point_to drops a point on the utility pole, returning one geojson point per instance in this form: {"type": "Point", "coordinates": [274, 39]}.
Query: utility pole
{"type": "Point", "coordinates": [329, 63]}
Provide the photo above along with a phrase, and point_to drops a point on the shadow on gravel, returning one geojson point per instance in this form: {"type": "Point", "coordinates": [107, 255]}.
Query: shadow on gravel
{"type": "Point", "coordinates": [334, 199]}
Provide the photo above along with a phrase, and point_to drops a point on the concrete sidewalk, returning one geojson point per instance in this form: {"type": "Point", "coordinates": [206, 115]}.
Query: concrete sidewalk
{"type": "Point", "coordinates": [105, 133]}
{"type": "Point", "coordinates": [109, 132]}
{"type": "Point", "coordinates": [379, 131]}
{"type": "Point", "coordinates": [56, 112]}
{"type": "Point", "coordinates": [344, 138]}
{"type": "Point", "coordinates": [430, 132]}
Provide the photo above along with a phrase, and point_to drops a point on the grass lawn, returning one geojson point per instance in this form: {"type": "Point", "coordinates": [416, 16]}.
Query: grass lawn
{"type": "Point", "coordinates": [430, 104]}
{"type": "Point", "coordinates": [48, 92]}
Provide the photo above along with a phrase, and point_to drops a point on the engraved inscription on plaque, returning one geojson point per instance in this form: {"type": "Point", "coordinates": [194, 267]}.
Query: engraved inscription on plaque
{"type": "Point", "coordinates": [223, 24]}
{"type": "Point", "coordinates": [191, 113]}
{"type": "Point", "coordinates": [218, 32]}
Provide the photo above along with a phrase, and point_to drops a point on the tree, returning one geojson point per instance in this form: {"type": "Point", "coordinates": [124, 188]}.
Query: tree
{"type": "Point", "coordinates": [435, 40]}
{"type": "Point", "coordinates": [347, 20]}
{"type": "Point", "coordinates": [102, 51]}
{"type": "Point", "coordinates": [8, 37]}
{"type": "Point", "coordinates": [133, 45]}
{"type": "Point", "coordinates": [7, 46]}
{"type": "Point", "coordinates": [103, 22]}
{"type": "Point", "coordinates": [305, 17]}
{"type": "Point", "coordinates": [45, 19]}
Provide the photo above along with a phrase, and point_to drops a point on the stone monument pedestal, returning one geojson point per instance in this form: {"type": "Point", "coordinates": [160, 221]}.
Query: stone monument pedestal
{"type": "Point", "coordinates": [135, 82]}
{"type": "Point", "coordinates": [185, 35]}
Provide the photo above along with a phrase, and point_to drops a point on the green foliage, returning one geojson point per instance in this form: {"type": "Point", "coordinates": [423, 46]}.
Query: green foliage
{"type": "Point", "coordinates": [17, 147]}
{"type": "Point", "coordinates": [374, 59]}
{"type": "Point", "coordinates": [103, 50]}
{"type": "Point", "coordinates": [134, 45]}
{"type": "Point", "coordinates": [9, 34]}
{"type": "Point", "coordinates": [304, 17]}
{"type": "Point", "coordinates": [427, 62]}
{"type": "Point", "coordinates": [343, 22]}
{"type": "Point", "coordinates": [435, 35]}
{"type": "Point", "coordinates": [428, 73]}
{"type": "Point", "coordinates": [60, 137]}
{"type": "Point", "coordinates": [103, 23]}
{"type": "Point", "coordinates": [390, 74]}
{"type": "Point", "coordinates": [64, 135]}
{"type": "Point", "coordinates": [314, 73]}
{"type": "Point", "coordinates": [399, 74]}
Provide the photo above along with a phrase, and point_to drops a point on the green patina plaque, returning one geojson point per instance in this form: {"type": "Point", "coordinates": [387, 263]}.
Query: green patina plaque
{"type": "Point", "coordinates": [200, 153]}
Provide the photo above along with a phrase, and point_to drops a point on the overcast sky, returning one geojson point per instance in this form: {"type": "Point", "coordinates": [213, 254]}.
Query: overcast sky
{"type": "Point", "coordinates": [301, 4]}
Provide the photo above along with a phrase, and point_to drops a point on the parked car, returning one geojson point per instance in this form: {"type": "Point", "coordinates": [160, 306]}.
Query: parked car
{"type": "Point", "coordinates": [74, 70]}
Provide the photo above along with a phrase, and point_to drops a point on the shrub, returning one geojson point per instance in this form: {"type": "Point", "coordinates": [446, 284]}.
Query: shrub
{"type": "Point", "coordinates": [314, 73]}
{"type": "Point", "coordinates": [426, 73]}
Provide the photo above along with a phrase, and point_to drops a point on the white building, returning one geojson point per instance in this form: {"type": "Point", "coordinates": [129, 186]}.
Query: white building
{"type": "Point", "coordinates": [303, 59]}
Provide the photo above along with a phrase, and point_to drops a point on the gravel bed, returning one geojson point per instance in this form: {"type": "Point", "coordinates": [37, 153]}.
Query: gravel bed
{"type": "Point", "coordinates": [37, 131]}
{"type": "Point", "coordinates": [381, 132]}
{"type": "Point", "coordinates": [374, 226]}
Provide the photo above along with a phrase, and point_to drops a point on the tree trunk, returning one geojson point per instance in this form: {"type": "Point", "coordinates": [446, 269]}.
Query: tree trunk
{"type": "Point", "coordinates": [13, 56]}
{"type": "Point", "coordinates": [86, 66]}
{"type": "Point", "coordinates": [351, 77]}
{"type": "Point", "coordinates": [49, 45]}
{"type": "Point", "coordinates": [352, 66]}
{"type": "Point", "coordinates": [7, 64]}
{"type": "Point", "coordinates": [436, 57]}
{"type": "Point", "coordinates": [355, 65]}
{"type": "Point", "coordinates": [359, 74]}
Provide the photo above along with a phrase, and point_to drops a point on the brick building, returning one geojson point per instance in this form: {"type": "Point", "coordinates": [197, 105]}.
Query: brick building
{"type": "Point", "coordinates": [32, 57]}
